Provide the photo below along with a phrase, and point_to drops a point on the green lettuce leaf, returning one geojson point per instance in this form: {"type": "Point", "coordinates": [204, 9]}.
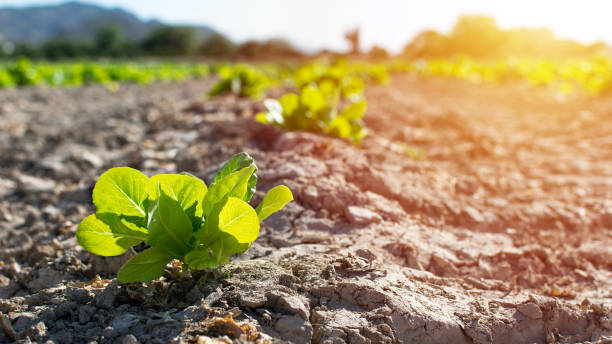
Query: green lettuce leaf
{"type": "Point", "coordinates": [170, 228]}
{"type": "Point", "coordinates": [121, 190]}
{"type": "Point", "coordinates": [145, 266]}
{"type": "Point", "coordinates": [106, 234]}
{"type": "Point", "coordinates": [274, 201]}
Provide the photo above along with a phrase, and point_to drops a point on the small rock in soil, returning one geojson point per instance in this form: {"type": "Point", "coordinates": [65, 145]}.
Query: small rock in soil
{"type": "Point", "coordinates": [130, 339]}
{"type": "Point", "coordinates": [361, 216]}
{"type": "Point", "coordinates": [294, 329]}
{"type": "Point", "coordinates": [530, 310]}
{"type": "Point", "coordinates": [106, 299]}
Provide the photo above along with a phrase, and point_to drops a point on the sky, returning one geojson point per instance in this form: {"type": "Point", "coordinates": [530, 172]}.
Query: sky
{"type": "Point", "coordinates": [315, 24]}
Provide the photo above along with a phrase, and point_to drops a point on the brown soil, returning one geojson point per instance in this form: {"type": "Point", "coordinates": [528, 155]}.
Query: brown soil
{"type": "Point", "coordinates": [502, 234]}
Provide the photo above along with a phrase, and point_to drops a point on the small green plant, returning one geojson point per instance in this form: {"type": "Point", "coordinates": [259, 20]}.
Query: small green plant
{"type": "Point", "coordinates": [312, 111]}
{"type": "Point", "coordinates": [6, 80]}
{"type": "Point", "coordinates": [333, 79]}
{"type": "Point", "coordinates": [24, 73]}
{"type": "Point", "coordinates": [178, 216]}
{"type": "Point", "coordinates": [412, 152]}
{"type": "Point", "coordinates": [241, 80]}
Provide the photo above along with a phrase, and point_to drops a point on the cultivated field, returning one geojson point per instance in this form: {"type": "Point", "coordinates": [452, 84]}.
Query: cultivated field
{"type": "Point", "coordinates": [470, 213]}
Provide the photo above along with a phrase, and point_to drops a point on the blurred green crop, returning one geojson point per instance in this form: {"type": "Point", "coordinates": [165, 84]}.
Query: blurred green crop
{"type": "Point", "coordinates": [25, 73]}
{"type": "Point", "coordinates": [327, 98]}
{"type": "Point", "coordinates": [592, 75]}
{"type": "Point", "coordinates": [314, 110]}
{"type": "Point", "coordinates": [242, 80]}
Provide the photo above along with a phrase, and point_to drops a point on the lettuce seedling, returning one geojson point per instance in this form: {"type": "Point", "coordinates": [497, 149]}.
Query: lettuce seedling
{"type": "Point", "coordinates": [178, 216]}
{"type": "Point", "coordinates": [333, 80]}
{"type": "Point", "coordinates": [241, 80]}
{"type": "Point", "coordinates": [312, 111]}
{"type": "Point", "coordinates": [347, 78]}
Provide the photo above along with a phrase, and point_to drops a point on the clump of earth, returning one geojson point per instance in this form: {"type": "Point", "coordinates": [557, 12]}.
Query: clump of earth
{"type": "Point", "coordinates": [470, 214]}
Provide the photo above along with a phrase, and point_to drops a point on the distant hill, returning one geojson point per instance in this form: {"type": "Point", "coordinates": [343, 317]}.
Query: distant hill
{"type": "Point", "coordinates": [72, 21]}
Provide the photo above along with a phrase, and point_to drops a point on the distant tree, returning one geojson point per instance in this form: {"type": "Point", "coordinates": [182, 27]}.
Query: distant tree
{"type": "Point", "coordinates": [378, 53]}
{"type": "Point", "coordinates": [26, 50]}
{"type": "Point", "coordinates": [109, 41]}
{"type": "Point", "coordinates": [476, 35]}
{"type": "Point", "coordinates": [217, 45]}
{"type": "Point", "coordinates": [60, 48]}
{"type": "Point", "coordinates": [170, 41]}
{"type": "Point", "coordinates": [428, 43]}
{"type": "Point", "coordinates": [130, 49]}
{"type": "Point", "coordinates": [598, 47]}
{"type": "Point", "coordinates": [353, 38]}
{"type": "Point", "coordinates": [250, 49]}
{"type": "Point", "coordinates": [479, 37]}
{"type": "Point", "coordinates": [277, 47]}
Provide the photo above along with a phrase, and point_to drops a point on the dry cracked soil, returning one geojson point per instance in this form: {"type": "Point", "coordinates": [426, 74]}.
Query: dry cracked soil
{"type": "Point", "coordinates": [470, 214]}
